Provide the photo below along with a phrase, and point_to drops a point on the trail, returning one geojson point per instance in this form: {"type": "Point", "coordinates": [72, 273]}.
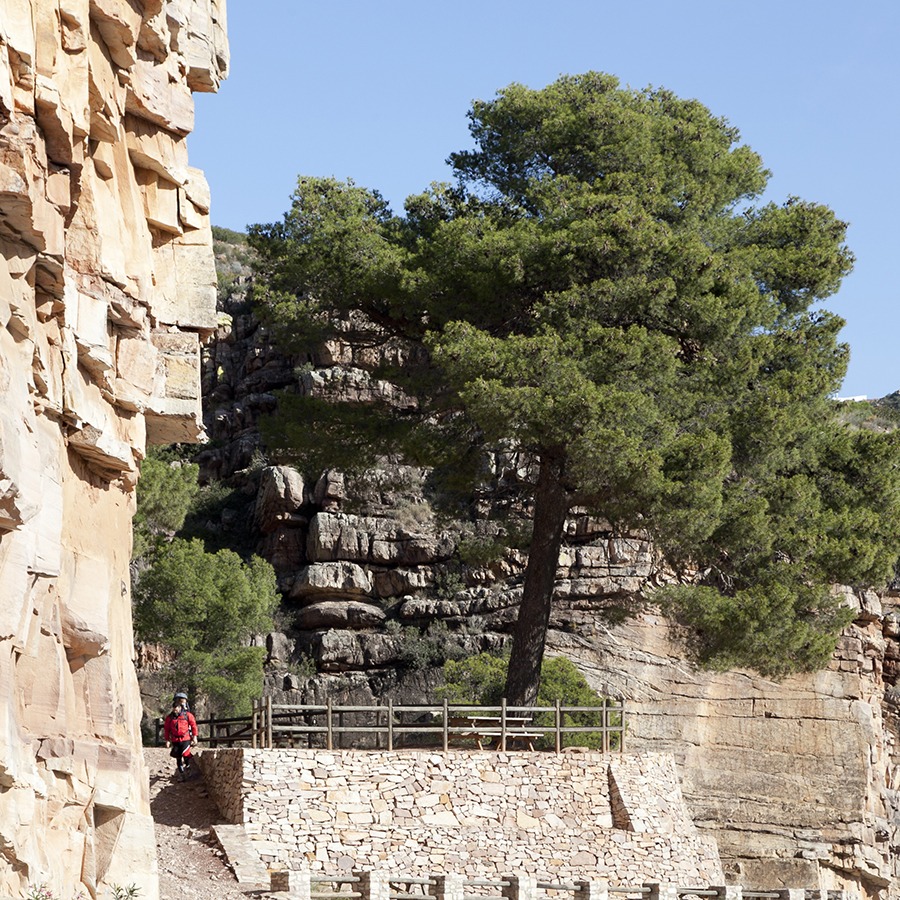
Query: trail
{"type": "Point", "coordinates": [190, 864]}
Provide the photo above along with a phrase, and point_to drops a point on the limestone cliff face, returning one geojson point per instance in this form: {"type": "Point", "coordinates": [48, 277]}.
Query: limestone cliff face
{"type": "Point", "coordinates": [107, 288]}
{"type": "Point", "coordinates": [798, 781]}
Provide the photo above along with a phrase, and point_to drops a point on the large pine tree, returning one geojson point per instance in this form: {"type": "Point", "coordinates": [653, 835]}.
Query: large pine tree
{"type": "Point", "coordinates": [600, 290]}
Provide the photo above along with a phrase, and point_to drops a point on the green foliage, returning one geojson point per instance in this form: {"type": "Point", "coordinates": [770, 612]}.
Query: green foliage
{"type": "Point", "coordinates": [165, 492]}
{"type": "Point", "coordinates": [448, 583]}
{"type": "Point", "coordinates": [877, 415]}
{"type": "Point", "coordinates": [480, 550]}
{"type": "Point", "coordinates": [773, 628]}
{"type": "Point", "coordinates": [599, 291]}
{"type": "Point", "coordinates": [216, 504]}
{"type": "Point", "coordinates": [205, 607]}
{"type": "Point", "coordinates": [478, 680]}
{"type": "Point", "coordinates": [420, 649]}
{"type": "Point", "coordinates": [125, 892]}
{"type": "Point", "coordinates": [481, 679]}
{"type": "Point", "coordinates": [227, 236]}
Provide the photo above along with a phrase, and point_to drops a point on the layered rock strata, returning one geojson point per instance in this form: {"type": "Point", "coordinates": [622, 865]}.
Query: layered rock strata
{"type": "Point", "coordinates": [797, 780]}
{"type": "Point", "coordinates": [479, 814]}
{"type": "Point", "coordinates": [107, 290]}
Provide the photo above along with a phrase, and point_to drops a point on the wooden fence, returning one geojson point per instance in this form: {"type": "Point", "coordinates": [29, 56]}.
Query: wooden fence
{"type": "Point", "coordinates": [395, 726]}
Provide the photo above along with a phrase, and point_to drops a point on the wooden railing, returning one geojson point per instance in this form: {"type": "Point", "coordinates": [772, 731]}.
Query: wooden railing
{"type": "Point", "coordinates": [446, 726]}
{"type": "Point", "coordinates": [218, 732]}
{"type": "Point", "coordinates": [394, 726]}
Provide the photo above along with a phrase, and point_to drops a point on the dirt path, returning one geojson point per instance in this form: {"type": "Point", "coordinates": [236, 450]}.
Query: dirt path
{"type": "Point", "coordinates": [190, 863]}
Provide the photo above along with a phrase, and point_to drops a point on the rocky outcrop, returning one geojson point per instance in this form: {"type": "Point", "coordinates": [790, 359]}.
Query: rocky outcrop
{"type": "Point", "coordinates": [107, 290]}
{"type": "Point", "coordinates": [797, 780]}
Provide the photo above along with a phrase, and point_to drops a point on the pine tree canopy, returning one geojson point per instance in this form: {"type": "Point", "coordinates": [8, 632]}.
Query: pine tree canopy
{"type": "Point", "coordinates": [603, 288]}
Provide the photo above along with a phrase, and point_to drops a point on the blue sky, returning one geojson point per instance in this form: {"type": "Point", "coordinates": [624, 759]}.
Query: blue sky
{"type": "Point", "coordinates": [378, 92]}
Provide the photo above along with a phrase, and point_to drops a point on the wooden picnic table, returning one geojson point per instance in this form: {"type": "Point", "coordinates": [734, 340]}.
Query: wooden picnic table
{"type": "Point", "coordinates": [490, 730]}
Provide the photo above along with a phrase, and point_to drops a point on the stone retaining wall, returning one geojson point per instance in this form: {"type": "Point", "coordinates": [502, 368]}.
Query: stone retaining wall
{"type": "Point", "coordinates": [571, 815]}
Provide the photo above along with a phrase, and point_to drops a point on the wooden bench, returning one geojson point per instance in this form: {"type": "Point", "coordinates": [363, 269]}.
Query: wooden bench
{"type": "Point", "coordinates": [489, 730]}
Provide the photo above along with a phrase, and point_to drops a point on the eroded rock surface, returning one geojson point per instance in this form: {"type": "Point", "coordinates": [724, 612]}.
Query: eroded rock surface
{"type": "Point", "coordinates": [798, 781]}
{"type": "Point", "coordinates": [107, 289]}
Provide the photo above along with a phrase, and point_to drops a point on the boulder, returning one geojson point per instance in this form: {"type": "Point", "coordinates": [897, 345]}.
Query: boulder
{"type": "Point", "coordinates": [339, 614]}
{"type": "Point", "coordinates": [281, 494]}
{"type": "Point", "coordinates": [334, 579]}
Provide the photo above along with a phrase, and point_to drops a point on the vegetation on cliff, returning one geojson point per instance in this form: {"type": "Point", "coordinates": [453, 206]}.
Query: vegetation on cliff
{"type": "Point", "coordinates": [599, 290]}
{"type": "Point", "coordinates": [205, 607]}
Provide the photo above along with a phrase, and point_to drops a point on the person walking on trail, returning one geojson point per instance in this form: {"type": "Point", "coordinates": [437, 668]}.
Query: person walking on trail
{"type": "Point", "coordinates": [180, 730]}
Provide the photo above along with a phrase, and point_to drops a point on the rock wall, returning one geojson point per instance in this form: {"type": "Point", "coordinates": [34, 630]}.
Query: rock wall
{"type": "Point", "coordinates": [479, 814]}
{"type": "Point", "coordinates": [107, 290]}
{"type": "Point", "coordinates": [797, 780]}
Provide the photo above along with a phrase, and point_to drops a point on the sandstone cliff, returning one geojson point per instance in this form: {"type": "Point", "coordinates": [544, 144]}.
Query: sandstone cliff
{"type": "Point", "coordinates": [796, 780]}
{"type": "Point", "coordinates": [107, 289]}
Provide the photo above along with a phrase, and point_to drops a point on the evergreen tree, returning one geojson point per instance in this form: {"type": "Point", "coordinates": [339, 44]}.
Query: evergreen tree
{"type": "Point", "coordinates": [600, 289]}
{"type": "Point", "coordinates": [206, 607]}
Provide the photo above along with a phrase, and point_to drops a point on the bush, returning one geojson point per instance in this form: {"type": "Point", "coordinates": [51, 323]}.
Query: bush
{"type": "Point", "coordinates": [480, 680]}
{"type": "Point", "coordinates": [420, 649]}
{"type": "Point", "coordinates": [205, 607]}
{"type": "Point", "coordinates": [227, 236]}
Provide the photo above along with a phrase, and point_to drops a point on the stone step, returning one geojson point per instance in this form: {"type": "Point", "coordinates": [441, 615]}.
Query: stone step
{"type": "Point", "coordinates": [242, 859]}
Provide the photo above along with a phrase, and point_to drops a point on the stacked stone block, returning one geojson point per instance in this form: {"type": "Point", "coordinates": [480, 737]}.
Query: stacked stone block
{"type": "Point", "coordinates": [479, 813]}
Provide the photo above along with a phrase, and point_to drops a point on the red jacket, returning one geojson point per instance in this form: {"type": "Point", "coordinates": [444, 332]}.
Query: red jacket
{"type": "Point", "coordinates": [182, 727]}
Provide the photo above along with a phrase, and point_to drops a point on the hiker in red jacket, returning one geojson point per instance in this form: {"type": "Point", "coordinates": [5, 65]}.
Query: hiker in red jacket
{"type": "Point", "coordinates": [180, 729]}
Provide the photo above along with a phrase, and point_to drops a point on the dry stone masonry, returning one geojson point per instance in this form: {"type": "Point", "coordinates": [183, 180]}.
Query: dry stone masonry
{"type": "Point", "coordinates": [107, 291]}
{"type": "Point", "coordinates": [477, 814]}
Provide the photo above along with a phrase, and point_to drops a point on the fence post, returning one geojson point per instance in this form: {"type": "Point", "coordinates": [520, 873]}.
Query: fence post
{"type": "Point", "coordinates": [591, 890]}
{"type": "Point", "coordinates": [254, 725]}
{"type": "Point", "coordinates": [728, 891]}
{"type": "Point", "coordinates": [503, 724]}
{"type": "Point", "coordinates": [269, 735]}
{"type": "Point", "coordinates": [622, 725]}
{"type": "Point", "coordinates": [445, 734]}
{"type": "Point", "coordinates": [329, 732]}
{"type": "Point", "coordinates": [662, 891]}
{"type": "Point", "coordinates": [390, 741]}
{"type": "Point", "coordinates": [159, 726]}
{"type": "Point", "coordinates": [520, 887]}
{"type": "Point", "coordinates": [606, 724]}
{"type": "Point", "coordinates": [558, 724]}
{"type": "Point", "coordinates": [373, 885]}
{"type": "Point", "coordinates": [290, 881]}
{"type": "Point", "coordinates": [449, 887]}
{"type": "Point", "coordinates": [212, 730]}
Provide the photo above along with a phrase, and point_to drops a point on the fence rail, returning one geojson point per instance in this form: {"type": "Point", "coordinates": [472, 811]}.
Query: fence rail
{"type": "Point", "coordinates": [366, 885]}
{"type": "Point", "coordinates": [397, 726]}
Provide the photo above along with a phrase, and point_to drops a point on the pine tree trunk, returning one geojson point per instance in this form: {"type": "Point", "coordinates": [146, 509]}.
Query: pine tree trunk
{"type": "Point", "coordinates": [551, 503]}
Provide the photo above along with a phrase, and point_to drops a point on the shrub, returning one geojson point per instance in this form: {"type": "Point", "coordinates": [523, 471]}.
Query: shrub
{"type": "Point", "coordinates": [430, 647]}
{"type": "Point", "coordinates": [480, 680]}
{"type": "Point", "coordinates": [205, 607]}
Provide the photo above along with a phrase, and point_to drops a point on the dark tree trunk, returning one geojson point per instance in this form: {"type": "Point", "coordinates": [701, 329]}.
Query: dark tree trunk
{"type": "Point", "coordinates": [551, 503]}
